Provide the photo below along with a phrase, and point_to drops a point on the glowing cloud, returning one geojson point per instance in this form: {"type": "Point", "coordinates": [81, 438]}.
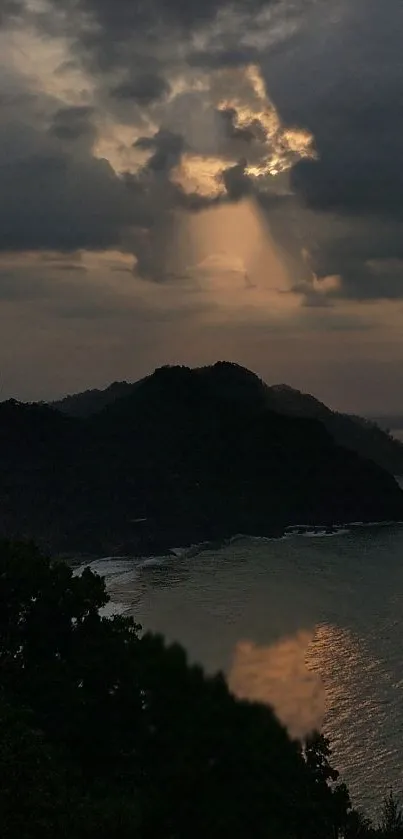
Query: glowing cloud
{"type": "Point", "coordinates": [274, 148]}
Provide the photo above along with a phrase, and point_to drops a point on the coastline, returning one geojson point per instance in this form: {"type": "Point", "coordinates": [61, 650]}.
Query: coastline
{"type": "Point", "coordinates": [188, 550]}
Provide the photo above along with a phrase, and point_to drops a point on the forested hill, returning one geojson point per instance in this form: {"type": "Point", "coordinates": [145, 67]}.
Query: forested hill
{"type": "Point", "coordinates": [187, 456]}
{"type": "Point", "coordinates": [363, 436]}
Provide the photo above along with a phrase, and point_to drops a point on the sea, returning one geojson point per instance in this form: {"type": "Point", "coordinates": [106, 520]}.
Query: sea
{"type": "Point", "coordinates": [311, 624]}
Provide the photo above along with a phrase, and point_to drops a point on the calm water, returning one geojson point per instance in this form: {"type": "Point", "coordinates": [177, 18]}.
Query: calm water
{"type": "Point", "coordinates": [313, 626]}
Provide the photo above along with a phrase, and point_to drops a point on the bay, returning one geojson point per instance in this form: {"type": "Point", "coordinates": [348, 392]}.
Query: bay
{"type": "Point", "coordinates": [311, 625]}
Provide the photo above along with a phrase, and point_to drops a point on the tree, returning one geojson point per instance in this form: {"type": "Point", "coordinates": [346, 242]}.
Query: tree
{"type": "Point", "coordinates": [123, 737]}
{"type": "Point", "coordinates": [391, 821]}
{"type": "Point", "coordinates": [43, 794]}
{"type": "Point", "coordinates": [358, 826]}
{"type": "Point", "coordinates": [331, 799]}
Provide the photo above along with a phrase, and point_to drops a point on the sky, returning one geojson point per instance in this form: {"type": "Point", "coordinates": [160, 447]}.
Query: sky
{"type": "Point", "coordinates": [183, 181]}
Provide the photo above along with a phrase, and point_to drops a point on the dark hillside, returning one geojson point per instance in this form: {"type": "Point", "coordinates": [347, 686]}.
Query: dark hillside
{"type": "Point", "coordinates": [238, 385]}
{"type": "Point", "coordinates": [184, 457]}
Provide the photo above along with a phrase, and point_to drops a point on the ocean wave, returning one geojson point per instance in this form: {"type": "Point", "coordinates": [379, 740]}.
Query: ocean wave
{"type": "Point", "coordinates": [113, 608]}
{"type": "Point", "coordinates": [118, 570]}
{"type": "Point", "coordinates": [151, 561]}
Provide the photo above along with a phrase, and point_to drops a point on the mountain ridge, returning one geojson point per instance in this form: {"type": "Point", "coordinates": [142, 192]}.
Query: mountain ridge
{"type": "Point", "coordinates": [186, 456]}
{"type": "Point", "coordinates": [359, 434]}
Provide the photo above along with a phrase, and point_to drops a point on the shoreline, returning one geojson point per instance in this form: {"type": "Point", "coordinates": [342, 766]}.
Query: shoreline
{"type": "Point", "coordinates": [188, 550]}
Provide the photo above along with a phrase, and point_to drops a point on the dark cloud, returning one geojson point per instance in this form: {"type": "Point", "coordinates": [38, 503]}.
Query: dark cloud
{"type": "Point", "coordinates": [9, 100]}
{"type": "Point", "coordinates": [166, 148]}
{"type": "Point", "coordinates": [367, 255]}
{"type": "Point", "coordinates": [53, 201]}
{"type": "Point", "coordinates": [143, 89]}
{"type": "Point", "coordinates": [26, 285]}
{"type": "Point", "coordinates": [216, 57]}
{"type": "Point", "coordinates": [136, 50]}
{"type": "Point", "coordinates": [340, 76]}
{"type": "Point", "coordinates": [121, 18]}
{"type": "Point", "coordinates": [314, 293]}
{"type": "Point", "coordinates": [73, 123]}
{"type": "Point", "coordinates": [128, 37]}
{"type": "Point", "coordinates": [10, 11]}
{"type": "Point", "coordinates": [11, 288]}
{"type": "Point", "coordinates": [54, 195]}
{"type": "Point", "coordinates": [342, 79]}
{"type": "Point", "coordinates": [337, 74]}
{"type": "Point", "coordinates": [72, 267]}
{"type": "Point", "coordinates": [57, 199]}
{"type": "Point", "coordinates": [232, 131]}
{"type": "Point", "coordinates": [354, 183]}
{"type": "Point", "coordinates": [62, 292]}
{"type": "Point", "coordinates": [177, 74]}
{"type": "Point", "coordinates": [236, 181]}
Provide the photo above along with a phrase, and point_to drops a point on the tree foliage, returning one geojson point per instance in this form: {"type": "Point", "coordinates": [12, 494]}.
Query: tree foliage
{"type": "Point", "coordinates": [106, 732]}
{"type": "Point", "coordinates": [391, 822]}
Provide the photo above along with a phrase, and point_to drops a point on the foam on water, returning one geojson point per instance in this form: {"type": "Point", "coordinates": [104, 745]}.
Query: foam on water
{"type": "Point", "coordinates": [120, 575]}
{"type": "Point", "coordinates": [152, 561]}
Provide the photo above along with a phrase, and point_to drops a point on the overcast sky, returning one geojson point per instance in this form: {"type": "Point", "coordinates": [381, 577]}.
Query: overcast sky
{"type": "Point", "coordinates": [194, 180]}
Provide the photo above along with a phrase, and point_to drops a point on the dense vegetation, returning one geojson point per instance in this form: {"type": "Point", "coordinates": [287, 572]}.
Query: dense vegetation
{"type": "Point", "coordinates": [182, 458]}
{"type": "Point", "coordinates": [368, 438]}
{"type": "Point", "coordinates": [106, 732]}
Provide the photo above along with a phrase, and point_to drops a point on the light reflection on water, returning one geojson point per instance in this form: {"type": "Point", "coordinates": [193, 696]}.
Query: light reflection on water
{"type": "Point", "coordinates": [312, 626]}
{"type": "Point", "coordinates": [278, 675]}
{"type": "Point", "coordinates": [364, 712]}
